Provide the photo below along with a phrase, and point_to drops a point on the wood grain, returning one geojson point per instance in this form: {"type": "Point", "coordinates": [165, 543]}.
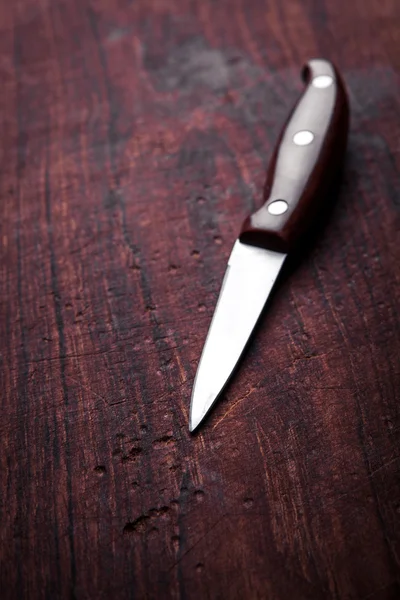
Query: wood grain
{"type": "Point", "coordinates": [135, 138]}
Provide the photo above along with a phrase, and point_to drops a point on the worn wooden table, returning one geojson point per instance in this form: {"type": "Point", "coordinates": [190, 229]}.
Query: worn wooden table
{"type": "Point", "coordinates": [134, 140]}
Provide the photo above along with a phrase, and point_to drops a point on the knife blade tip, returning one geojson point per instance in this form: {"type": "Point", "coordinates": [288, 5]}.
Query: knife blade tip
{"type": "Point", "coordinates": [193, 423]}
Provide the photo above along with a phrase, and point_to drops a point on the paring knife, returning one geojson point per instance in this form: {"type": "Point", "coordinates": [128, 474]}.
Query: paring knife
{"type": "Point", "coordinates": [306, 161]}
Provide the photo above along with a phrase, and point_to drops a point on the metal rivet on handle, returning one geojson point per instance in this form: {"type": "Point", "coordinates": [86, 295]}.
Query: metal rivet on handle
{"type": "Point", "coordinates": [322, 81]}
{"type": "Point", "coordinates": [303, 138]}
{"type": "Point", "coordinates": [278, 207]}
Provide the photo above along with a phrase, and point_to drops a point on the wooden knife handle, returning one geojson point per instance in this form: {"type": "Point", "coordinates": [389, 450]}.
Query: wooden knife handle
{"type": "Point", "coordinates": [308, 157]}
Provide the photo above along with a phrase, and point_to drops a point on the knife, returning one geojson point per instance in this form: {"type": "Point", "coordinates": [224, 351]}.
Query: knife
{"type": "Point", "coordinates": [306, 161]}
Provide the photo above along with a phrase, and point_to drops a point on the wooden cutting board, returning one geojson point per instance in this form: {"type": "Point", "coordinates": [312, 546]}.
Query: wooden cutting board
{"type": "Point", "coordinates": [134, 141]}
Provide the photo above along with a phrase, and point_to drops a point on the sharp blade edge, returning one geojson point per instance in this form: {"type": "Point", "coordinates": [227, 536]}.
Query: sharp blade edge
{"type": "Point", "coordinates": [248, 281]}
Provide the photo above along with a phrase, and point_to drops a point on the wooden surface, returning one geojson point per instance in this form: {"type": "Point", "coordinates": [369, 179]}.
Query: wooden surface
{"type": "Point", "coordinates": [134, 140]}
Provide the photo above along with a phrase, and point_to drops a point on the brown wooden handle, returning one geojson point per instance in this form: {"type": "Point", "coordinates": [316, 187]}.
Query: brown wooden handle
{"type": "Point", "coordinates": [308, 157]}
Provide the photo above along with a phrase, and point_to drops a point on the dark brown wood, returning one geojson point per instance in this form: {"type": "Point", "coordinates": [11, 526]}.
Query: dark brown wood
{"type": "Point", "coordinates": [303, 175]}
{"type": "Point", "coordinates": [134, 141]}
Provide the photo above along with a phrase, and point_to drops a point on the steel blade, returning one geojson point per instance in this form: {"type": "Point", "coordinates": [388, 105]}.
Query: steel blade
{"type": "Point", "coordinates": [248, 281]}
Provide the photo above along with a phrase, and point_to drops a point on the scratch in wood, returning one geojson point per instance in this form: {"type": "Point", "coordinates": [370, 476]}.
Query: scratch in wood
{"type": "Point", "coordinates": [172, 391]}
{"type": "Point", "coordinates": [87, 389]}
{"type": "Point", "coordinates": [198, 542]}
{"type": "Point", "coordinates": [181, 369]}
{"type": "Point", "coordinates": [384, 587]}
{"type": "Point", "coordinates": [69, 356]}
{"type": "Point", "coordinates": [201, 438]}
{"type": "Point", "coordinates": [233, 407]}
{"type": "Point", "coordinates": [330, 387]}
{"type": "Point", "coordinates": [393, 460]}
{"type": "Point", "coordinates": [82, 247]}
{"type": "Point", "coordinates": [262, 452]}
